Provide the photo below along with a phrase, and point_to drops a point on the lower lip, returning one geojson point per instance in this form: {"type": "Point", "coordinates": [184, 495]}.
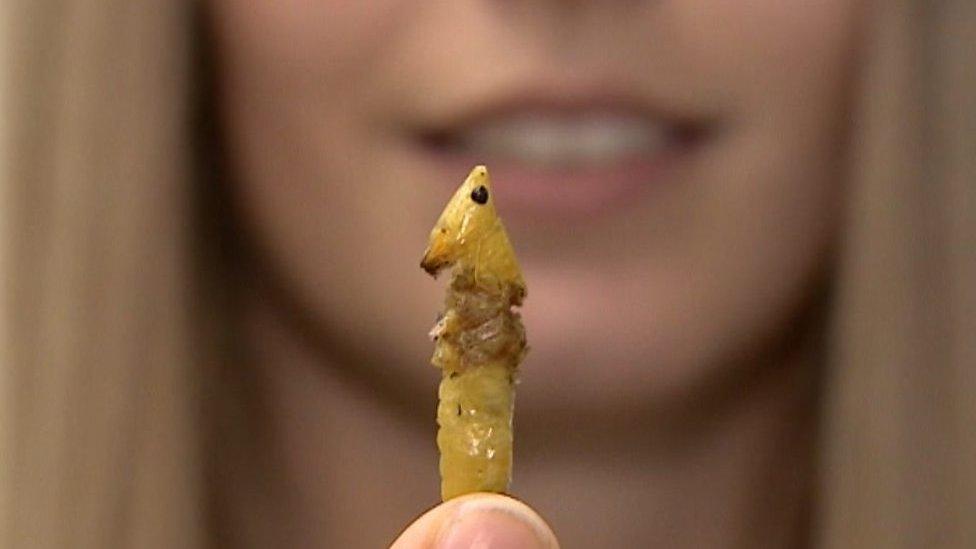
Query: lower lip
{"type": "Point", "coordinates": [574, 193]}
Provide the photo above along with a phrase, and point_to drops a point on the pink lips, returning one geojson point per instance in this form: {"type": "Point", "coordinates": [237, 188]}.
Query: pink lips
{"type": "Point", "coordinates": [558, 162]}
{"type": "Point", "coordinates": [567, 194]}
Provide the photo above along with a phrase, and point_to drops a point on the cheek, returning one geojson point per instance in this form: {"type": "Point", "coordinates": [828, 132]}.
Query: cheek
{"type": "Point", "coordinates": [766, 195]}
{"type": "Point", "coordinates": [729, 256]}
{"type": "Point", "coordinates": [744, 53]}
{"type": "Point", "coordinates": [315, 192]}
{"type": "Point", "coordinates": [772, 187]}
{"type": "Point", "coordinates": [322, 42]}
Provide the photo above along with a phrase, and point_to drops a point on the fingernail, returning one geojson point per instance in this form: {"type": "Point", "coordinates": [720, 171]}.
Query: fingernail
{"type": "Point", "coordinates": [494, 523]}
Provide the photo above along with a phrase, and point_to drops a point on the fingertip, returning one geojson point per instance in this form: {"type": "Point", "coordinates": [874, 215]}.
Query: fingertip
{"type": "Point", "coordinates": [495, 520]}
{"type": "Point", "coordinates": [482, 520]}
{"type": "Point", "coordinates": [423, 532]}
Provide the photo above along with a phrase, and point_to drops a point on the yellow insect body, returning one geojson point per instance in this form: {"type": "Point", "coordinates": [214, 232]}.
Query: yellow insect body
{"type": "Point", "coordinates": [479, 340]}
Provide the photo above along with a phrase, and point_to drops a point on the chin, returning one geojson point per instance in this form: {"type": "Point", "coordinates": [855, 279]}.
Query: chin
{"type": "Point", "coordinates": [594, 352]}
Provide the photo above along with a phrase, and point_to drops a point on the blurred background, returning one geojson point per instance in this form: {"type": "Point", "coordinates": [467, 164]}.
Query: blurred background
{"type": "Point", "coordinates": [746, 229]}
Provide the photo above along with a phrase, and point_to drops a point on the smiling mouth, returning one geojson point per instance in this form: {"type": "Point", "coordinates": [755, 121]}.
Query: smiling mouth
{"type": "Point", "coordinates": [560, 161]}
{"type": "Point", "coordinates": [559, 133]}
{"type": "Point", "coordinates": [558, 140]}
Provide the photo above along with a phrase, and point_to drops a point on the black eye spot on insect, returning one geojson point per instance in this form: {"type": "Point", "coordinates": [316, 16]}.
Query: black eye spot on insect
{"type": "Point", "coordinates": [480, 195]}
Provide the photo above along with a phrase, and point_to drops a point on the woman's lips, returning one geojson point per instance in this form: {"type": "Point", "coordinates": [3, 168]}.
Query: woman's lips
{"type": "Point", "coordinates": [562, 140]}
{"type": "Point", "coordinates": [565, 163]}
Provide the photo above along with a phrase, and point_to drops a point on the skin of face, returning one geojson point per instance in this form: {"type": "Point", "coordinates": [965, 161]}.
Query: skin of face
{"type": "Point", "coordinates": [323, 106]}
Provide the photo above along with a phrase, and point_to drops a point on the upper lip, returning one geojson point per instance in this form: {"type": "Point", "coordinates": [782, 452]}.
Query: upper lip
{"type": "Point", "coordinates": [440, 126]}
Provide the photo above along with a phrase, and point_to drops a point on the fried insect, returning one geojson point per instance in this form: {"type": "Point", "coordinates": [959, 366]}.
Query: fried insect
{"type": "Point", "coordinates": [479, 340]}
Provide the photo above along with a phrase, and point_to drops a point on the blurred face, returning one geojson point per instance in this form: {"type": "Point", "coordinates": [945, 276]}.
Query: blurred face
{"type": "Point", "coordinates": [667, 172]}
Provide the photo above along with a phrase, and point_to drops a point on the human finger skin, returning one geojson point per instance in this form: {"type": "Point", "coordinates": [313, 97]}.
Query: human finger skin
{"type": "Point", "coordinates": [478, 520]}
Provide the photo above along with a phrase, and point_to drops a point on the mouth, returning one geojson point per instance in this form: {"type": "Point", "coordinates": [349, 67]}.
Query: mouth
{"type": "Point", "coordinates": [561, 161]}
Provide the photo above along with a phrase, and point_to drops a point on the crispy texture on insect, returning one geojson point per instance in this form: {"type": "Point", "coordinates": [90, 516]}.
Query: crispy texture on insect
{"type": "Point", "coordinates": [479, 339]}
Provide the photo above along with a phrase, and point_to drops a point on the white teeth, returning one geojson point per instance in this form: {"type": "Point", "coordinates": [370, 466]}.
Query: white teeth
{"type": "Point", "coordinates": [546, 141]}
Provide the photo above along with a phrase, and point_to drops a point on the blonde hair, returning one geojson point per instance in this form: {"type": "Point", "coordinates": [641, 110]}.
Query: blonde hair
{"type": "Point", "coordinates": [100, 447]}
{"type": "Point", "coordinates": [899, 461]}
{"type": "Point", "coordinates": [101, 438]}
